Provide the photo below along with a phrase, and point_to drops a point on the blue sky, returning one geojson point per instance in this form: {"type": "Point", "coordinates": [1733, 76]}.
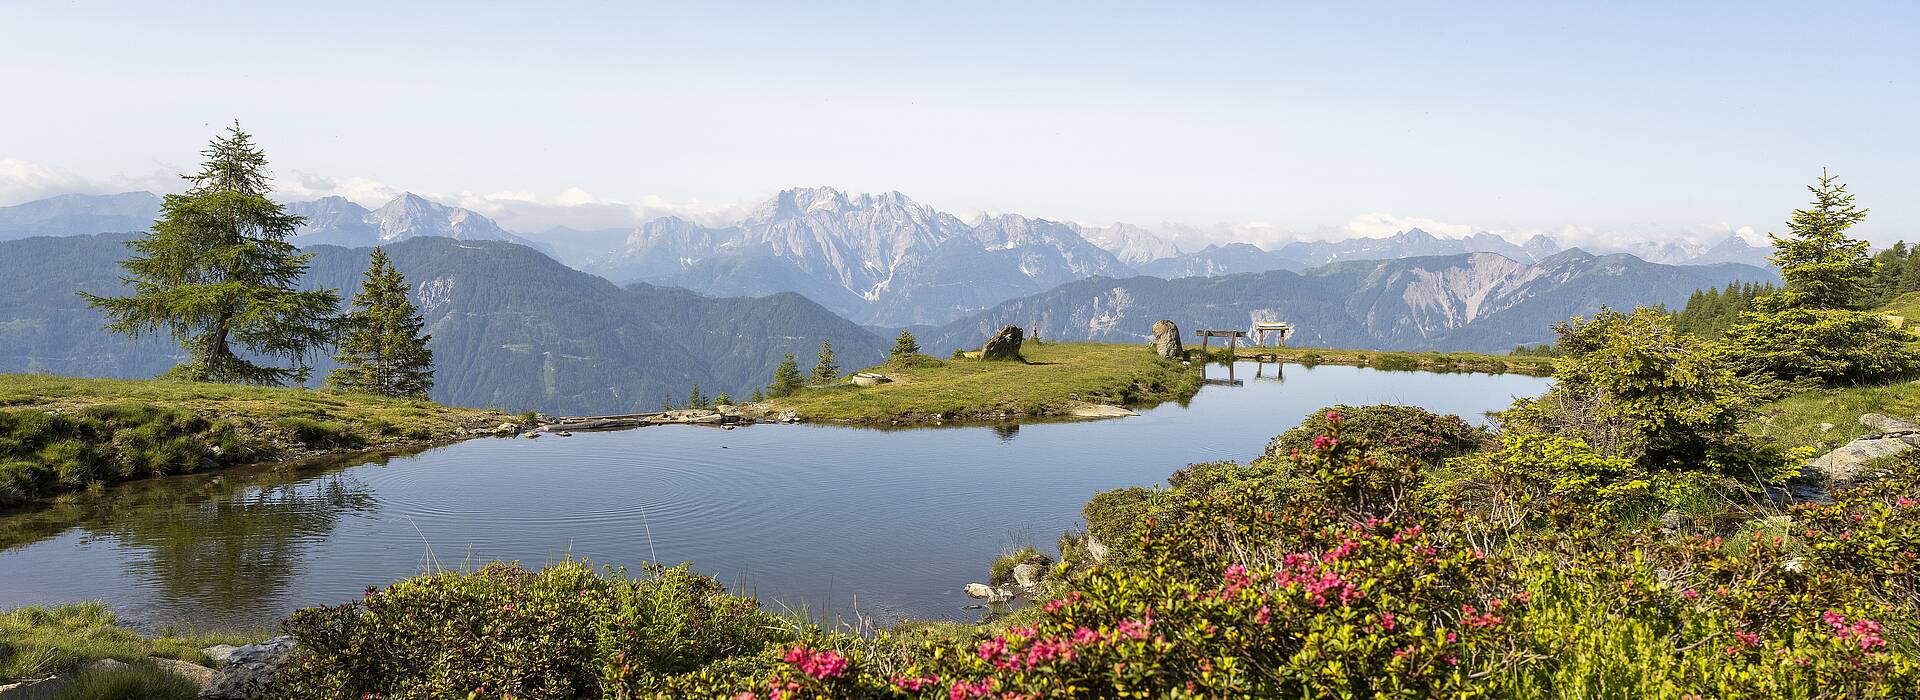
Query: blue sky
{"type": "Point", "coordinates": [1615, 119]}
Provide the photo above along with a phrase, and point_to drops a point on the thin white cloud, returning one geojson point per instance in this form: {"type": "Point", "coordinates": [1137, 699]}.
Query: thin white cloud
{"type": "Point", "coordinates": [24, 181]}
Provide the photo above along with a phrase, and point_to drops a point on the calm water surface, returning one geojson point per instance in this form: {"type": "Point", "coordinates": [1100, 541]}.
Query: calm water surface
{"type": "Point", "coordinates": [814, 516]}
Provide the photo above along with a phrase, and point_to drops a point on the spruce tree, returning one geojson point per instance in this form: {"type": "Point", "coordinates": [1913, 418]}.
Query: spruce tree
{"type": "Point", "coordinates": [1813, 330]}
{"type": "Point", "coordinates": [694, 399]}
{"type": "Point", "coordinates": [826, 370]}
{"type": "Point", "coordinates": [1822, 267]}
{"type": "Point", "coordinates": [759, 396]}
{"type": "Point", "coordinates": [904, 346]}
{"type": "Point", "coordinates": [1910, 274]}
{"type": "Point", "coordinates": [786, 378]}
{"type": "Point", "coordinates": [382, 350]}
{"type": "Point", "coordinates": [723, 399]}
{"type": "Point", "coordinates": [217, 273]}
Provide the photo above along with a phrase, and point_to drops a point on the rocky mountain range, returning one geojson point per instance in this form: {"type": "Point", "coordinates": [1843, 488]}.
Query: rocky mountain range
{"type": "Point", "coordinates": [511, 327]}
{"type": "Point", "coordinates": [880, 259]}
{"type": "Point", "coordinates": [1482, 302]}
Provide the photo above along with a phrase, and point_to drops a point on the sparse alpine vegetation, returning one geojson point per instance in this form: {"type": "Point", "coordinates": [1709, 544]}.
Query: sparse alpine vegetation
{"type": "Point", "coordinates": [1054, 380]}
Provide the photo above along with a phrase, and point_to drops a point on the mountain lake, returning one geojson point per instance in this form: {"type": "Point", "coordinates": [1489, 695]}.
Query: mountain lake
{"type": "Point", "coordinates": [885, 523]}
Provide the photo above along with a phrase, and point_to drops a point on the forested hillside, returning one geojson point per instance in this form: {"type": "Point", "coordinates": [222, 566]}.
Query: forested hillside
{"type": "Point", "coordinates": [511, 327]}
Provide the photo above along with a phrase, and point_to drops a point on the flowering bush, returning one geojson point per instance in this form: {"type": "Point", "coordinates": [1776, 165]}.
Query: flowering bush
{"type": "Point", "coordinates": [1409, 431]}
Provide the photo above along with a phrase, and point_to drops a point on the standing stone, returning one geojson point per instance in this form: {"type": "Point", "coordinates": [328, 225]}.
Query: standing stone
{"type": "Point", "coordinates": [1166, 339]}
{"type": "Point", "coordinates": [1004, 345]}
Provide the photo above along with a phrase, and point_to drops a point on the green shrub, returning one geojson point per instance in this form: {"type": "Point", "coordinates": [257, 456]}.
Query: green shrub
{"type": "Point", "coordinates": [1409, 431]}
{"type": "Point", "coordinates": [1630, 385]}
{"type": "Point", "coordinates": [562, 632]}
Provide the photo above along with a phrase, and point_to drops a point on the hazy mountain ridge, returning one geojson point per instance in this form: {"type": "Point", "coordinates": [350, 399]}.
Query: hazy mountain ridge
{"type": "Point", "coordinates": [511, 327]}
{"type": "Point", "coordinates": [338, 221]}
{"type": "Point", "coordinates": [1472, 301]}
{"type": "Point", "coordinates": [70, 214]}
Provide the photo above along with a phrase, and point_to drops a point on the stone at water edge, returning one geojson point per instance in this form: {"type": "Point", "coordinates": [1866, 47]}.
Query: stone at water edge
{"type": "Point", "coordinates": [251, 672]}
{"type": "Point", "coordinates": [1166, 340]}
{"type": "Point", "coordinates": [200, 675]}
{"type": "Point", "coordinates": [978, 590]}
{"type": "Point", "coordinates": [1004, 345]}
{"type": "Point", "coordinates": [219, 653]}
{"type": "Point", "coordinates": [1028, 575]}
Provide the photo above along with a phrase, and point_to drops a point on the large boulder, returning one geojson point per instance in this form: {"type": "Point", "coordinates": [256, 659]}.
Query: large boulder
{"type": "Point", "coordinates": [251, 673]}
{"type": "Point", "coordinates": [1004, 345]}
{"type": "Point", "coordinates": [1166, 339]}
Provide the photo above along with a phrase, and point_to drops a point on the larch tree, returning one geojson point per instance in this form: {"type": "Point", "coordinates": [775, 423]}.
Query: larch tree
{"type": "Point", "coordinates": [382, 350]}
{"type": "Point", "coordinates": [217, 273]}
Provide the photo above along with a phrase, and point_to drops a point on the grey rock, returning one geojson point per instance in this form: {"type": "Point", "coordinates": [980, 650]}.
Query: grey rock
{"type": "Point", "coordinates": [1888, 425]}
{"type": "Point", "coordinates": [1843, 465]}
{"type": "Point", "coordinates": [200, 675]}
{"type": "Point", "coordinates": [1166, 339]}
{"type": "Point", "coordinates": [251, 672]}
{"type": "Point", "coordinates": [506, 429]}
{"type": "Point", "coordinates": [1096, 549]}
{"type": "Point", "coordinates": [978, 590]}
{"type": "Point", "coordinates": [219, 652]}
{"type": "Point", "coordinates": [870, 379]}
{"type": "Point", "coordinates": [1028, 575]}
{"type": "Point", "coordinates": [1824, 427]}
{"type": "Point", "coordinates": [105, 665]}
{"type": "Point", "coordinates": [43, 689]}
{"type": "Point", "coordinates": [1000, 595]}
{"type": "Point", "coordinates": [1004, 345]}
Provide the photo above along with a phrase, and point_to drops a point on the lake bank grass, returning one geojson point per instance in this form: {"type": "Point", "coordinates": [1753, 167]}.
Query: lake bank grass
{"type": "Point", "coordinates": [42, 642]}
{"type": "Point", "coordinates": [1405, 361]}
{"type": "Point", "coordinates": [1054, 378]}
{"type": "Point", "coordinates": [62, 434]}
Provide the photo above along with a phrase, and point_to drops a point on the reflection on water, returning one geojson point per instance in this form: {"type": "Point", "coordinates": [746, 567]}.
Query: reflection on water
{"type": "Point", "coordinates": [821, 516]}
